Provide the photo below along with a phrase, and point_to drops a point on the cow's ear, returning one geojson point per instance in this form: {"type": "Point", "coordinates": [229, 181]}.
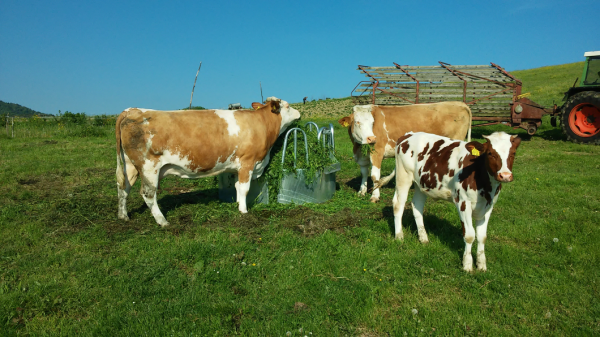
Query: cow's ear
{"type": "Point", "coordinates": [345, 122]}
{"type": "Point", "coordinates": [516, 141]}
{"type": "Point", "coordinates": [256, 105]}
{"type": "Point", "coordinates": [475, 148]}
{"type": "Point", "coordinates": [275, 106]}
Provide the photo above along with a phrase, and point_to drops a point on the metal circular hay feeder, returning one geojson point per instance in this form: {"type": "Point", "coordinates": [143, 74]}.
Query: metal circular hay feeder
{"type": "Point", "coordinates": [293, 187]}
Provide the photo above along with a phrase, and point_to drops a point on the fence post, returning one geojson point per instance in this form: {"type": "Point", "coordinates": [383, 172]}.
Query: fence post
{"type": "Point", "coordinates": [6, 124]}
{"type": "Point", "coordinates": [13, 127]}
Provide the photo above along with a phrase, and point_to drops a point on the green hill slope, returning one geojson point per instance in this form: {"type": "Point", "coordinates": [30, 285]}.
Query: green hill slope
{"type": "Point", "coordinates": [548, 84]}
{"type": "Point", "coordinates": [17, 110]}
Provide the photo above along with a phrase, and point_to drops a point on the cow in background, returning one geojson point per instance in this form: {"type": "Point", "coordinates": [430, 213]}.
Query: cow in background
{"type": "Point", "coordinates": [382, 125]}
{"type": "Point", "coordinates": [469, 174]}
{"type": "Point", "coordinates": [195, 144]}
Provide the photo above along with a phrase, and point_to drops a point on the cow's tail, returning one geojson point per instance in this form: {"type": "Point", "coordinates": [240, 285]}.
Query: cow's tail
{"type": "Point", "coordinates": [470, 124]}
{"type": "Point", "coordinates": [121, 169]}
{"type": "Point", "coordinates": [385, 180]}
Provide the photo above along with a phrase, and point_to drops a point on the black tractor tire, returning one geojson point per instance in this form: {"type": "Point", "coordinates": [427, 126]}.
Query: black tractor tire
{"type": "Point", "coordinates": [591, 100]}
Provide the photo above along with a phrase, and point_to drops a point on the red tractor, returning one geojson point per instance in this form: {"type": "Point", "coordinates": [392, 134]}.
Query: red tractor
{"type": "Point", "coordinates": [580, 115]}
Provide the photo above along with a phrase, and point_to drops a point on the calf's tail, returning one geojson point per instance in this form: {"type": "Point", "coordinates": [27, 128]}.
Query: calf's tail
{"type": "Point", "coordinates": [385, 180]}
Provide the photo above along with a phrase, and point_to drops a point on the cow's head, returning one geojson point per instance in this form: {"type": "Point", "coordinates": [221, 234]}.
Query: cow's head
{"type": "Point", "coordinates": [498, 154]}
{"type": "Point", "coordinates": [288, 114]}
{"type": "Point", "coordinates": [360, 124]}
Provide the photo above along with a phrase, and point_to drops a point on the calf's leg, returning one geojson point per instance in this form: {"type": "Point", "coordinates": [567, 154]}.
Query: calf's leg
{"type": "Point", "coordinates": [418, 203]}
{"type": "Point", "coordinates": [481, 226]}
{"type": "Point", "coordinates": [464, 212]}
{"type": "Point", "coordinates": [403, 183]}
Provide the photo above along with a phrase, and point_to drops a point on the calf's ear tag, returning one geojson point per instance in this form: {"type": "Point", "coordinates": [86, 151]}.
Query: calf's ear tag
{"type": "Point", "coordinates": [345, 124]}
{"type": "Point", "coordinates": [475, 152]}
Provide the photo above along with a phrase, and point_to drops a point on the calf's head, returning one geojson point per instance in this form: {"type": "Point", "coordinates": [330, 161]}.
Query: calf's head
{"type": "Point", "coordinates": [360, 124]}
{"type": "Point", "coordinates": [498, 153]}
{"type": "Point", "coordinates": [288, 114]}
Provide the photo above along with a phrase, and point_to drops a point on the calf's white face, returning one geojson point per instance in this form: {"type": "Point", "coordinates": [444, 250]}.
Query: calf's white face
{"type": "Point", "coordinates": [500, 155]}
{"type": "Point", "coordinates": [361, 124]}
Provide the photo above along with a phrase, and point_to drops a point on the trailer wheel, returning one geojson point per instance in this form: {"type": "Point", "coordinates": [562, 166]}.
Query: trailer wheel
{"type": "Point", "coordinates": [581, 118]}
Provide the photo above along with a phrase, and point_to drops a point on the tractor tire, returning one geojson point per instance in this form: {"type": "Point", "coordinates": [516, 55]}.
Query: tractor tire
{"type": "Point", "coordinates": [580, 118]}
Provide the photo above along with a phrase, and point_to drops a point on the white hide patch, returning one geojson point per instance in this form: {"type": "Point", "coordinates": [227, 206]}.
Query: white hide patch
{"type": "Point", "coordinates": [232, 126]}
{"type": "Point", "coordinates": [177, 165]}
{"type": "Point", "coordinates": [363, 123]}
{"type": "Point", "coordinates": [389, 151]}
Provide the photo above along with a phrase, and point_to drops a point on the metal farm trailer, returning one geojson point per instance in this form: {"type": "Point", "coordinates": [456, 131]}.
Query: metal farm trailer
{"type": "Point", "coordinates": [493, 94]}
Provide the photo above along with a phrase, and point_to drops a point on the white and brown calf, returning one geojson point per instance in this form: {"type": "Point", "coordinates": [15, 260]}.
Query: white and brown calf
{"type": "Point", "coordinates": [195, 144]}
{"type": "Point", "coordinates": [468, 174]}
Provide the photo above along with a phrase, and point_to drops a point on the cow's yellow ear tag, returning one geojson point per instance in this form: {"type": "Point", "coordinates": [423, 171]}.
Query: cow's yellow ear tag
{"type": "Point", "coordinates": [475, 152]}
{"type": "Point", "coordinates": [345, 124]}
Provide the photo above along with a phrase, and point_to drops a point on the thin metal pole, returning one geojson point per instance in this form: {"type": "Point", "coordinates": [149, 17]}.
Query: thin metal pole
{"type": "Point", "coordinates": [194, 87]}
{"type": "Point", "coordinates": [261, 96]}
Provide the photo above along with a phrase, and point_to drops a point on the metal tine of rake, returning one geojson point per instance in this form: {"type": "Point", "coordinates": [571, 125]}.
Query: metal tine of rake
{"type": "Point", "coordinates": [285, 140]}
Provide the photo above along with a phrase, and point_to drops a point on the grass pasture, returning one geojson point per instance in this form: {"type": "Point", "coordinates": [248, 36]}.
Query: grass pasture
{"type": "Point", "coordinates": [69, 267]}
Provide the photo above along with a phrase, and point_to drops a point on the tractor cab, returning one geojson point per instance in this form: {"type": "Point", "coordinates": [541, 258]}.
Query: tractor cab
{"type": "Point", "coordinates": [591, 69]}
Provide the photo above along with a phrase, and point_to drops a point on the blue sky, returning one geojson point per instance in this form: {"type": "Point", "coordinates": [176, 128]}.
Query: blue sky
{"type": "Point", "coordinates": [104, 56]}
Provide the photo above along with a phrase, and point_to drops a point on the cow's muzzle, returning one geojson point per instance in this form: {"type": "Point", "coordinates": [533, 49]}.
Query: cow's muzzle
{"type": "Point", "coordinates": [504, 177]}
{"type": "Point", "coordinates": [371, 140]}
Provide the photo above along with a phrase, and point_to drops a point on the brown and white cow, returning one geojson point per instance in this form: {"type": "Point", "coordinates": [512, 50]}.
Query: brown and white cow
{"type": "Point", "coordinates": [195, 144]}
{"type": "Point", "coordinates": [469, 174]}
{"type": "Point", "coordinates": [383, 125]}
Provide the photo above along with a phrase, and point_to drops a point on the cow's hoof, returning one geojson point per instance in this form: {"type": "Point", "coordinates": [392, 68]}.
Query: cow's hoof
{"type": "Point", "coordinates": [426, 241]}
{"type": "Point", "coordinates": [362, 193]}
{"type": "Point", "coordinates": [164, 225]}
{"type": "Point", "coordinates": [399, 237]}
{"type": "Point", "coordinates": [123, 217]}
{"type": "Point", "coordinates": [374, 199]}
{"type": "Point", "coordinates": [482, 268]}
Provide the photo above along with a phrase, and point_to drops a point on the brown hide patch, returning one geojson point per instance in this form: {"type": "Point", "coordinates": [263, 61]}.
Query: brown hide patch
{"type": "Point", "coordinates": [437, 164]}
{"type": "Point", "coordinates": [474, 175]}
{"type": "Point", "coordinates": [405, 145]}
{"type": "Point", "coordinates": [463, 206]}
{"type": "Point", "coordinates": [451, 173]}
{"type": "Point", "coordinates": [422, 154]}
{"type": "Point", "coordinates": [463, 227]}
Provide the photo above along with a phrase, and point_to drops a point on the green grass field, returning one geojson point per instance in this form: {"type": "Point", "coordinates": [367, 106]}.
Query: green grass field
{"type": "Point", "coordinates": [69, 267]}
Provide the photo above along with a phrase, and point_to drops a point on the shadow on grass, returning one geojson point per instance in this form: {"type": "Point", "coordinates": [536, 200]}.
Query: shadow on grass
{"type": "Point", "coordinates": [446, 232]}
{"type": "Point", "coordinates": [354, 184]}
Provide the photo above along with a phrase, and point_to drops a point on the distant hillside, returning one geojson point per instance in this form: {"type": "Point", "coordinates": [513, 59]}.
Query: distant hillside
{"type": "Point", "coordinates": [16, 110]}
